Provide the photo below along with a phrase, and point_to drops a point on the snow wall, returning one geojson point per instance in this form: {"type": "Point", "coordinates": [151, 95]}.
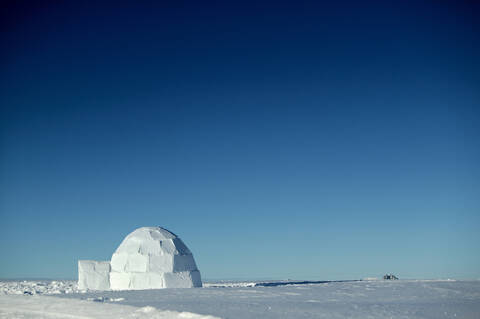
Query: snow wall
{"type": "Point", "coordinates": [148, 258]}
{"type": "Point", "coordinates": [93, 274]}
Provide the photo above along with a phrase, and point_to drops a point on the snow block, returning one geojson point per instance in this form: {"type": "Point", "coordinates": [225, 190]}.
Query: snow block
{"type": "Point", "coordinates": [93, 274]}
{"type": "Point", "coordinates": [135, 262]}
{"type": "Point", "coordinates": [132, 281]}
{"type": "Point", "coordinates": [161, 263]}
{"type": "Point", "coordinates": [119, 280]}
{"type": "Point", "coordinates": [183, 279]}
{"type": "Point", "coordinates": [183, 263]}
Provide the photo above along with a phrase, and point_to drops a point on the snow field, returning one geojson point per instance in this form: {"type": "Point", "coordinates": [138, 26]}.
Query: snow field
{"type": "Point", "coordinates": [30, 307]}
{"type": "Point", "coordinates": [430, 299]}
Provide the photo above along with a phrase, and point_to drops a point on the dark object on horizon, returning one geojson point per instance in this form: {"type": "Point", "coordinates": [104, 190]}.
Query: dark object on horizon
{"type": "Point", "coordinates": [390, 277]}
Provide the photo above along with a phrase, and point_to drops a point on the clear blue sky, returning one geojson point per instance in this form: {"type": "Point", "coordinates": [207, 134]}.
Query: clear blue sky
{"type": "Point", "coordinates": [305, 141]}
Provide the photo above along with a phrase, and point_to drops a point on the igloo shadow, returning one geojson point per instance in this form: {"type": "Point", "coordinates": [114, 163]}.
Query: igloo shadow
{"type": "Point", "coordinates": [148, 258]}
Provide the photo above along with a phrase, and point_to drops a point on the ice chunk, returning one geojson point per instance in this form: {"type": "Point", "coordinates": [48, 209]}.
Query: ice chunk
{"type": "Point", "coordinates": [93, 275]}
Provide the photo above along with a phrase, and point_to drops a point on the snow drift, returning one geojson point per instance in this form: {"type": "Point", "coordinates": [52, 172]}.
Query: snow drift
{"type": "Point", "coordinates": [148, 258]}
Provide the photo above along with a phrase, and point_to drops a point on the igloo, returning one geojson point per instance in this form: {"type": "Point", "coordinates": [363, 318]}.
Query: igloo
{"type": "Point", "coordinates": [148, 258]}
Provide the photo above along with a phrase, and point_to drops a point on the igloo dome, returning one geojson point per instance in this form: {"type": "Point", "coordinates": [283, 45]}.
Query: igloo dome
{"type": "Point", "coordinates": [148, 258]}
{"type": "Point", "coordinates": [153, 257]}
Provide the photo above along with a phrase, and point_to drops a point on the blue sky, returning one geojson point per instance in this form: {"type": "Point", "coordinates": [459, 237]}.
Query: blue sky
{"type": "Point", "coordinates": [279, 140]}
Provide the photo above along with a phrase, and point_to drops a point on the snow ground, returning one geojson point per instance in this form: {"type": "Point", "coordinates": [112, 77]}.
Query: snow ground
{"type": "Point", "coordinates": [359, 299]}
{"type": "Point", "coordinates": [13, 307]}
{"type": "Point", "coordinates": [33, 287]}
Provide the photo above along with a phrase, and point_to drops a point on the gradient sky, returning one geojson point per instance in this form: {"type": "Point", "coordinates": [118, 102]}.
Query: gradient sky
{"type": "Point", "coordinates": [303, 141]}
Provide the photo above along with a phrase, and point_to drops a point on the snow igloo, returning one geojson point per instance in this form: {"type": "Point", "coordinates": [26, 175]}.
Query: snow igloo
{"type": "Point", "coordinates": [148, 258]}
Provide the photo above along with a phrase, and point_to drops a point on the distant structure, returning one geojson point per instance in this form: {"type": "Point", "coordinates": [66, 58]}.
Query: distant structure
{"type": "Point", "coordinates": [390, 277]}
{"type": "Point", "coordinates": [148, 258]}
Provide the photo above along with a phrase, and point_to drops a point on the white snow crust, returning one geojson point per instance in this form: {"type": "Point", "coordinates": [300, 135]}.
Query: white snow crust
{"type": "Point", "coordinates": [41, 287]}
{"type": "Point", "coordinates": [22, 307]}
{"type": "Point", "coordinates": [429, 299]}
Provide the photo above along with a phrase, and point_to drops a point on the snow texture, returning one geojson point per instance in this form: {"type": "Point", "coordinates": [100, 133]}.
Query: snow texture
{"type": "Point", "coordinates": [38, 287]}
{"type": "Point", "coordinates": [354, 299]}
{"type": "Point", "coordinates": [153, 257]}
{"type": "Point", "coordinates": [429, 299]}
{"type": "Point", "coordinates": [23, 307]}
{"type": "Point", "coordinates": [93, 274]}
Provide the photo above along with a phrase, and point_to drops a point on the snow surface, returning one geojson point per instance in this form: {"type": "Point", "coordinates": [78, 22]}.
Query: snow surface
{"type": "Point", "coordinates": [16, 307]}
{"type": "Point", "coordinates": [34, 287]}
{"type": "Point", "coordinates": [274, 299]}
